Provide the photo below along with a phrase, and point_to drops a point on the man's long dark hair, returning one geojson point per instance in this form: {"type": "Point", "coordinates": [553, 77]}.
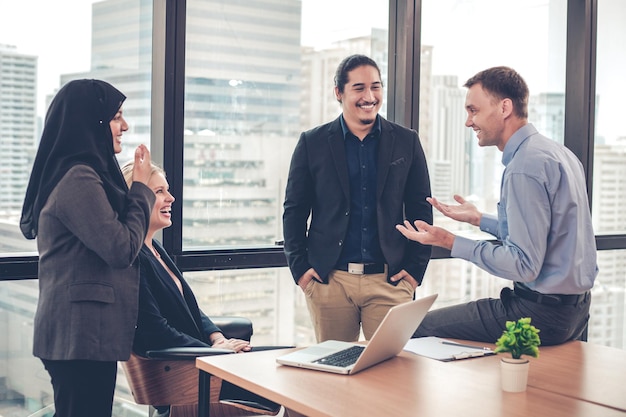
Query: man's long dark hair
{"type": "Point", "coordinates": [347, 65]}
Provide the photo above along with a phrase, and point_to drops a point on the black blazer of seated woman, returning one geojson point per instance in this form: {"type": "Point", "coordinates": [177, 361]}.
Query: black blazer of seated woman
{"type": "Point", "coordinates": [167, 318]}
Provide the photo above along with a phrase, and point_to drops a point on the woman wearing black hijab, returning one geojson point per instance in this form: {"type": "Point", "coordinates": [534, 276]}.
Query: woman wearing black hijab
{"type": "Point", "coordinates": [90, 228]}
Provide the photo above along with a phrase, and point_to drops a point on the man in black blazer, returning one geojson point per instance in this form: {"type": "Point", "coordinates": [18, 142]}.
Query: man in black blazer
{"type": "Point", "coordinates": [355, 178]}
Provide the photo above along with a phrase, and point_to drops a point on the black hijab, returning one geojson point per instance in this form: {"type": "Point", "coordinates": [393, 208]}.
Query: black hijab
{"type": "Point", "coordinates": [76, 131]}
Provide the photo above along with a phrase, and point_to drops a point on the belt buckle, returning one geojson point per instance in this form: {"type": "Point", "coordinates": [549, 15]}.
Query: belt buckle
{"type": "Point", "coordinates": [357, 269]}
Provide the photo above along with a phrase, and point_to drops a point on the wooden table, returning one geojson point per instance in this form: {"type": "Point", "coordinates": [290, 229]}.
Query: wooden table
{"type": "Point", "coordinates": [581, 370]}
{"type": "Point", "coordinates": [411, 385]}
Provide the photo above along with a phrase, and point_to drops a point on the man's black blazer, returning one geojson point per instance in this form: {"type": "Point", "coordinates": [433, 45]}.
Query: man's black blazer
{"type": "Point", "coordinates": [318, 186]}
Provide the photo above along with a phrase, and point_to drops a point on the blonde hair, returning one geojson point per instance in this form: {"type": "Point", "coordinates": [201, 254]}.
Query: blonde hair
{"type": "Point", "coordinates": [127, 171]}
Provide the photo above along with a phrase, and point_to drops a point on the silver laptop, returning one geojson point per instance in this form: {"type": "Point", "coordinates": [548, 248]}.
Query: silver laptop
{"type": "Point", "coordinates": [389, 339]}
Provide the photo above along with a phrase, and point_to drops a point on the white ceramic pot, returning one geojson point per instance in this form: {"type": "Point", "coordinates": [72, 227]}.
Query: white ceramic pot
{"type": "Point", "coordinates": [514, 374]}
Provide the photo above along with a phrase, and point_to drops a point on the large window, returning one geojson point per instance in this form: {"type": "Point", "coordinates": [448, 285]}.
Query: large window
{"type": "Point", "coordinates": [39, 52]}
{"type": "Point", "coordinates": [449, 57]}
{"type": "Point", "coordinates": [256, 74]}
{"type": "Point", "coordinates": [451, 53]}
{"type": "Point", "coordinates": [42, 46]}
{"type": "Point", "coordinates": [609, 168]}
{"type": "Point", "coordinates": [251, 86]}
{"type": "Point", "coordinates": [608, 325]}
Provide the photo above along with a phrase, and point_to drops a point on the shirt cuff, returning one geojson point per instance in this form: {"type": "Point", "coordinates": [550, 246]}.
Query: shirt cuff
{"type": "Point", "coordinates": [462, 248]}
{"type": "Point", "coordinates": [489, 224]}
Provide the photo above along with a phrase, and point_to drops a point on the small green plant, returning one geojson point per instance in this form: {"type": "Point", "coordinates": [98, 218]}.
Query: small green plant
{"type": "Point", "coordinates": [519, 338]}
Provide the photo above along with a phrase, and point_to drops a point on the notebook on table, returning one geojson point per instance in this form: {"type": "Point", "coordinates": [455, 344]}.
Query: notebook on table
{"type": "Point", "coordinates": [389, 339]}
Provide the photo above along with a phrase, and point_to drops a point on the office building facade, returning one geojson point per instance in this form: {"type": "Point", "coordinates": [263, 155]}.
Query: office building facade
{"type": "Point", "coordinates": [18, 126]}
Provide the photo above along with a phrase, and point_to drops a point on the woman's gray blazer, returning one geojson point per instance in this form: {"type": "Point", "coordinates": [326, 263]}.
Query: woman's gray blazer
{"type": "Point", "coordinates": [88, 270]}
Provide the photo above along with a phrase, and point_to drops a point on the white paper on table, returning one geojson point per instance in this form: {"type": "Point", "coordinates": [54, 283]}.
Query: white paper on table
{"type": "Point", "coordinates": [444, 350]}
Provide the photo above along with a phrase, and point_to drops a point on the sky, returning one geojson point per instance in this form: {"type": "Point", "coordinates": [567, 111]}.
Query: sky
{"type": "Point", "coordinates": [327, 20]}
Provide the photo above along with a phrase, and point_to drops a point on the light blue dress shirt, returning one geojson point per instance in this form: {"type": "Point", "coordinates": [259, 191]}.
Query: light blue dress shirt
{"type": "Point", "coordinates": [543, 222]}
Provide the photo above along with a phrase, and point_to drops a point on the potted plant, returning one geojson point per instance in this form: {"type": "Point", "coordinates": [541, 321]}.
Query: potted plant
{"type": "Point", "coordinates": [519, 338]}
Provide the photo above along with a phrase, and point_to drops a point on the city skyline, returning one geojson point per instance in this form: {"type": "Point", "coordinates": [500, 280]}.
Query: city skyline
{"type": "Point", "coordinates": [320, 28]}
{"type": "Point", "coordinates": [232, 187]}
{"type": "Point", "coordinates": [235, 193]}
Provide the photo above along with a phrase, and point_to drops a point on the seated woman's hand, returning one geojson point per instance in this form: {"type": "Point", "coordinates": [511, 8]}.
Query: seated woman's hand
{"type": "Point", "coordinates": [237, 345]}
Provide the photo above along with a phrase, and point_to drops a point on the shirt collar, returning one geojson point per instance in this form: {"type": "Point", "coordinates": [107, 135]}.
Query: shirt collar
{"type": "Point", "coordinates": [515, 141]}
{"type": "Point", "coordinates": [345, 130]}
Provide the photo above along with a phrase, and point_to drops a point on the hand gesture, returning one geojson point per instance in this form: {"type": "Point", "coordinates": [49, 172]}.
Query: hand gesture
{"type": "Point", "coordinates": [142, 168]}
{"type": "Point", "coordinates": [464, 212]}
{"type": "Point", "coordinates": [427, 234]}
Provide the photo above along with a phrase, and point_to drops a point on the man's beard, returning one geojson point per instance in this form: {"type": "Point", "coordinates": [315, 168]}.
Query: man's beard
{"type": "Point", "coordinates": [367, 121]}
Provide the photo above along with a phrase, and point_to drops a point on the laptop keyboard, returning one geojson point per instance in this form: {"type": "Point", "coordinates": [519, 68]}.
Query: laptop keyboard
{"type": "Point", "coordinates": [342, 358]}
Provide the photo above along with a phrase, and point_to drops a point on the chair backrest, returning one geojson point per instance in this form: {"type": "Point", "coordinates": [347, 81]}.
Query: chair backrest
{"type": "Point", "coordinates": [234, 327]}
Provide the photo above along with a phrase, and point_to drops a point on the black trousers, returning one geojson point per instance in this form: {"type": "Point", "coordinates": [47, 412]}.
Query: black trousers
{"type": "Point", "coordinates": [82, 388]}
{"type": "Point", "coordinates": [484, 320]}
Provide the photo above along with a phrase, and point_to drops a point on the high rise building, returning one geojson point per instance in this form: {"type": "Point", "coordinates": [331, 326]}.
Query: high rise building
{"type": "Point", "coordinates": [18, 126]}
{"type": "Point", "coordinates": [547, 113]}
{"type": "Point", "coordinates": [241, 107]}
{"type": "Point", "coordinates": [608, 316]}
{"type": "Point", "coordinates": [318, 70]}
{"type": "Point", "coordinates": [448, 160]}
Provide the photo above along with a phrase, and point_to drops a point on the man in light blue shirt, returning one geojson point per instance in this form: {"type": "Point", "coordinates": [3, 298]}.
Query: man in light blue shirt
{"type": "Point", "coordinates": [546, 244]}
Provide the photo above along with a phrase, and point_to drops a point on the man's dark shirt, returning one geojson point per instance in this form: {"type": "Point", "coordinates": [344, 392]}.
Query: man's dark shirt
{"type": "Point", "coordinates": [361, 243]}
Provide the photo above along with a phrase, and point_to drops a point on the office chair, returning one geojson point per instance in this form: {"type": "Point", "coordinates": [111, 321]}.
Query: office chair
{"type": "Point", "coordinates": [170, 377]}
